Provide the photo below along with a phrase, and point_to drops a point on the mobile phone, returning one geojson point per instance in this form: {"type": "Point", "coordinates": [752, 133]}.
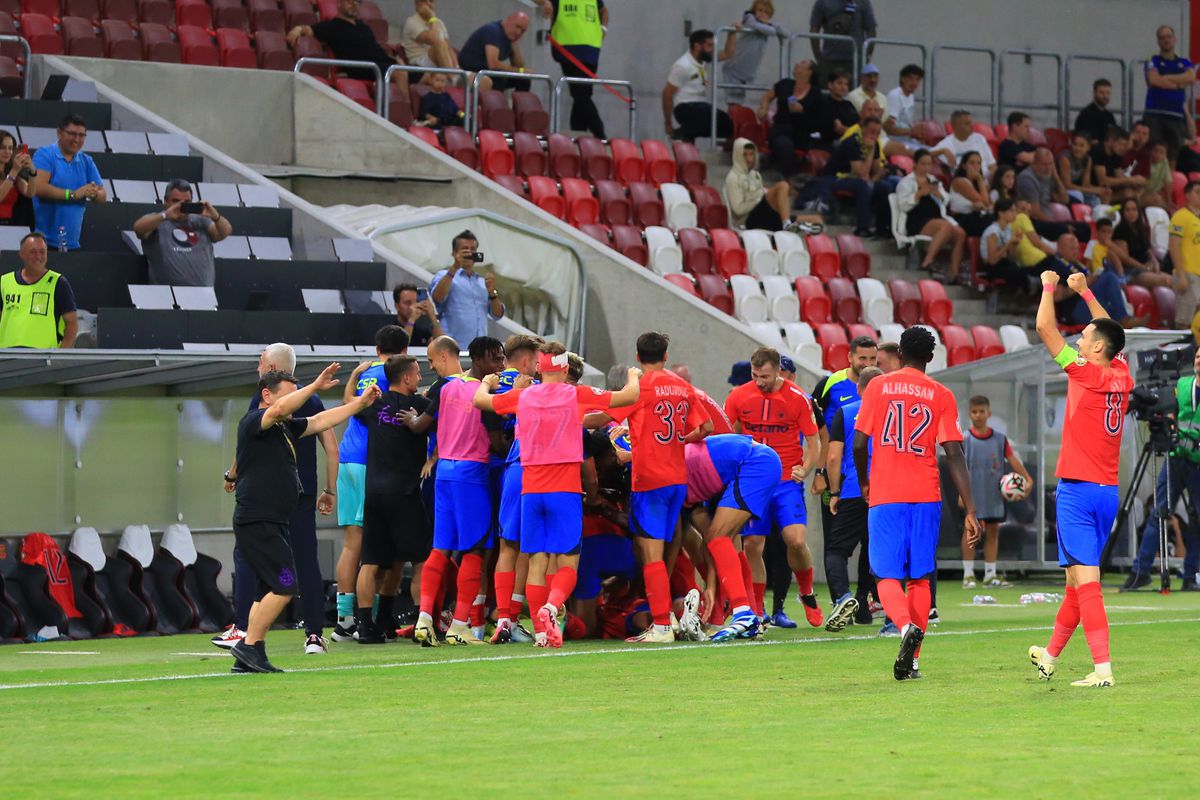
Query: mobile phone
{"type": "Point", "coordinates": [477, 257]}
{"type": "Point", "coordinates": [422, 295]}
{"type": "Point", "coordinates": [25, 149]}
{"type": "Point", "coordinates": [192, 208]}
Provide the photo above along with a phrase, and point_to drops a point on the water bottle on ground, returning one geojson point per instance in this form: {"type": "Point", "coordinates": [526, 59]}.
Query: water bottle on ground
{"type": "Point", "coordinates": [1040, 597]}
{"type": "Point", "coordinates": [983, 600]}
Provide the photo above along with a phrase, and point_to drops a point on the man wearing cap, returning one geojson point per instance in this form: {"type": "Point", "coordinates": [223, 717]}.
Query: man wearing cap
{"type": "Point", "coordinates": [739, 373]}
{"type": "Point", "coordinates": [179, 246]}
{"type": "Point", "coordinates": [868, 89]}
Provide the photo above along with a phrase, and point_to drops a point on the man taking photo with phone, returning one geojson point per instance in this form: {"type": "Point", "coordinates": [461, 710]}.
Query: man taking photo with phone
{"type": "Point", "coordinates": [416, 314]}
{"type": "Point", "coordinates": [465, 299]}
{"type": "Point", "coordinates": [178, 241]}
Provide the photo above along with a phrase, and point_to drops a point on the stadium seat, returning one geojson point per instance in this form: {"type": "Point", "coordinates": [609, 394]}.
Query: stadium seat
{"type": "Point", "coordinates": [677, 205]}
{"type": "Point", "coordinates": [1178, 183]}
{"type": "Point", "coordinates": [891, 332]}
{"type": "Point", "coordinates": [793, 254]}
{"type": "Point", "coordinates": [1142, 303]}
{"type": "Point", "coordinates": [746, 124]}
{"type": "Point", "coordinates": [783, 305]}
{"type": "Point", "coordinates": [877, 307]}
{"type": "Point", "coordinates": [529, 157]}
{"type": "Point", "coordinates": [715, 292]}
{"type": "Point", "coordinates": [627, 240]}
{"type": "Point", "coordinates": [660, 167]}
{"type": "Point", "coordinates": [81, 38]}
{"type": "Point", "coordinates": [936, 308]}
{"type": "Point", "coordinates": [582, 208]}
{"type": "Point", "coordinates": [646, 205]}
{"type": "Point", "coordinates": [683, 281]}
{"type": "Point", "coordinates": [596, 163]}
{"type": "Point", "coordinates": [373, 18]}
{"type": "Point", "coordinates": [899, 230]}
{"type": "Point", "coordinates": [835, 347]}
{"type": "Point", "coordinates": [235, 49]}
{"type": "Point", "coordinates": [199, 578]}
{"type": "Point", "coordinates": [697, 252]}
{"type": "Point", "coordinates": [495, 113]}
{"type": "Point", "coordinates": [627, 162]}
{"type": "Point", "coordinates": [120, 10]}
{"type": "Point", "coordinates": [11, 82]}
{"type": "Point", "coordinates": [987, 341]}
{"type": "Point", "coordinates": [1057, 212]}
{"type": "Point", "coordinates": [195, 298]}
{"type": "Point", "coordinates": [543, 193]}
{"type": "Point", "coordinates": [815, 306]}
{"type": "Point", "coordinates": [929, 132]}
{"type": "Point", "coordinates": [230, 14]}
{"type": "Point", "coordinates": [690, 168]}
{"type": "Point", "coordinates": [531, 116]}
{"type": "Point", "coordinates": [665, 253]}
{"type": "Point", "coordinates": [39, 31]}
{"type": "Point", "coordinates": [855, 261]}
{"type": "Point", "coordinates": [323, 301]}
{"type": "Point", "coordinates": [299, 12]}
{"type": "Point", "coordinates": [494, 156]}
{"type": "Point", "coordinates": [615, 208]}
{"type": "Point", "coordinates": [426, 135]}
{"type": "Point", "coordinates": [856, 329]}
{"type": "Point", "coordinates": [47, 8]}
{"type": "Point", "coordinates": [399, 109]}
{"type": "Point", "coordinates": [761, 258]}
{"type": "Point", "coordinates": [710, 208]}
{"type": "Point", "coordinates": [357, 91]}
{"type": "Point", "coordinates": [266, 15]}
{"type": "Point", "coordinates": [940, 358]}
{"type": "Point", "coordinates": [768, 334]}
{"type": "Point", "coordinates": [127, 142]}
{"type": "Point", "coordinates": [157, 11]}
{"type": "Point", "coordinates": [309, 47]}
{"type": "Point", "coordinates": [193, 12]}
{"type": "Point", "coordinates": [563, 156]}
{"type": "Point", "coordinates": [906, 300]}
{"type": "Point", "coordinates": [514, 183]}
{"type": "Point", "coordinates": [95, 616]}
{"type": "Point", "coordinates": [27, 588]}
{"type": "Point", "coordinates": [1013, 337]}
{"type": "Point", "coordinates": [1164, 298]}
{"type": "Point", "coordinates": [959, 349]}
{"type": "Point", "coordinates": [110, 579]}
{"type": "Point", "coordinates": [595, 231]}
{"type": "Point", "coordinates": [823, 257]}
{"type": "Point", "coordinates": [801, 341]}
{"type": "Point", "coordinates": [845, 305]}
{"type": "Point", "coordinates": [136, 550]}
{"type": "Point", "coordinates": [902, 163]}
{"type": "Point", "coordinates": [728, 255]}
{"type": "Point", "coordinates": [197, 46]}
{"type": "Point", "coordinates": [461, 146]}
{"type": "Point", "coordinates": [749, 303]}
{"type": "Point", "coordinates": [119, 40]}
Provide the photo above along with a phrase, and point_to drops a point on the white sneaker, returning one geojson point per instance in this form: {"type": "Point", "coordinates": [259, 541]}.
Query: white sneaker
{"type": "Point", "coordinates": [315, 645]}
{"type": "Point", "coordinates": [227, 639]}
{"type": "Point", "coordinates": [996, 582]}
{"type": "Point", "coordinates": [969, 582]}
{"type": "Point", "coordinates": [691, 625]}
{"type": "Point", "coordinates": [653, 635]}
{"type": "Point", "coordinates": [676, 630]}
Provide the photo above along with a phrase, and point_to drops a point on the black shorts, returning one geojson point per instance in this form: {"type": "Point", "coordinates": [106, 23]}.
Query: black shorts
{"type": "Point", "coordinates": [396, 527]}
{"type": "Point", "coordinates": [763, 217]}
{"type": "Point", "coordinates": [268, 551]}
{"type": "Point", "coordinates": [986, 520]}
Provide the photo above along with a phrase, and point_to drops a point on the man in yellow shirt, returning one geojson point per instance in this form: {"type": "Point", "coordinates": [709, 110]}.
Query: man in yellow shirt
{"type": "Point", "coordinates": [1185, 255]}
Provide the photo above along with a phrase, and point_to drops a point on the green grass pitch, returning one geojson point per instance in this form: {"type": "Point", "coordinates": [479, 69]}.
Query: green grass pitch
{"type": "Point", "coordinates": [801, 713]}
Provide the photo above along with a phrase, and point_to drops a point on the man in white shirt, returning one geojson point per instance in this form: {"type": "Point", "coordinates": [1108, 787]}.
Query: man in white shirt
{"type": "Point", "coordinates": [425, 40]}
{"type": "Point", "coordinates": [964, 140]}
{"type": "Point", "coordinates": [868, 89]}
{"type": "Point", "coordinates": [686, 93]}
{"type": "Point", "coordinates": [900, 123]}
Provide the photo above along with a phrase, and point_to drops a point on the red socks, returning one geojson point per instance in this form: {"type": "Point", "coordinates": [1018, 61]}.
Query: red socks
{"type": "Point", "coordinates": [729, 571]}
{"type": "Point", "coordinates": [431, 582]}
{"type": "Point", "coordinates": [658, 592]}
{"type": "Point", "coordinates": [563, 585]}
{"type": "Point", "coordinates": [1065, 622]}
{"type": "Point", "coordinates": [505, 584]}
{"type": "Point", "coordinates": [683, 577]}
{"type": "Point", "coordinates": [760, 597]}
{"type": "Point", "coordinates": [1095, 621]}
{"type": "Point", "coordinates": [804, 580]}
{"type": "Point", "coordinates": [919, 601]}
{"type": "Point", "coordinates": [538, 594]}
{"type": "Point", "coordinates": [747, 575]}
{"type": "Point", "coordinates": [469, 573]}
{"type": "Point", "coordinates": [894, 601]}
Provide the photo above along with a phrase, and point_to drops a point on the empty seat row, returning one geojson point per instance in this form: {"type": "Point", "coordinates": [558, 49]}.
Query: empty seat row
{"type": "Point", "coordinates": [204, 298]}
{"type": "Point", "coordinates": [269, 248]}
{"type": "Point", "coordinates": [225, 195]}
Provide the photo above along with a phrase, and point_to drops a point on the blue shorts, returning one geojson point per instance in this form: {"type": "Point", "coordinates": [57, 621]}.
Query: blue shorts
{"type": "Point", "coordinates": [654, 514]}
{"type": "Point", "coordinates": [510, 503]}
{"type": "Point", "coordinates": [904, 538]}
{"type": "Point", "coordinates": [462, 516]}
{"type": "Point", "coordinates": [1085, 514]}
{"type": "Point", "coordinates": [352, 493]}
{"type": "Point", "coordinates": [754, 485]}
{"type": "Point", "coordinates": [787, 506]}
{"type": "Point", "coordinates": [551, 522]}
{"type": "Point", "coordinates": [602, 557]}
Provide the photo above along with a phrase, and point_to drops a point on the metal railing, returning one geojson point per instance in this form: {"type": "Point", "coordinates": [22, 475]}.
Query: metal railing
{"type": "Point", "coordinates": [28, 86]}
{"type": "Point", "coordinates": [869, 46]}
{"type": "Point", "coordinates": [1059, 103]}
{"type": "Point", "coordinates": [991, 103]}
{"type": "Point", "coordinates": [473, 92]}
{"type": "Point", "coordinates": [1120, 96]}
{"type": "Point", "coordinates": [715, 85]}
{"type": "Point", "coordinates": [830, 37]}
{"type": "Point", "coordinates": [387, 82]}
{"type": "Point", "coordinates": [340, 62]}
{"type": "Point", "coordinates": [556, 102]}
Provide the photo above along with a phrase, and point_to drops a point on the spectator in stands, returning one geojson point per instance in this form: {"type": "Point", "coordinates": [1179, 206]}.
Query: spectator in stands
{"type": "Point", "coordinates": [1168, 77]}
{"type": "Point", "coordinates": [1031, 249]}
{"type": "Point", "coordinates": [349, 38]}
{"type": "Point", "coordinates": [179, 245]}
{"type": "Point", "coordinates": [1099, 253]}
{"type": "Point", "coordinates": [438, 109]}
{"type": "Point", "coordinates": [39, 306]}
{"type": "Point", "coordinates": [757, 30]}
{"type": "Point", "coordinates": [751, 205]}
{"type": "Point", "coordinates": [868, 88]}
{"type": "Point", "coordinates": [1041, 186]}
{"type": "Point", "coordinates": [797, 117]}
{"type": "Point", "coordinates": [465, 299]}
{"type": "Point", "coordinates": [494, 47]}
{"type": "Point", "coordinates": [969, 202]}
{"type": "Point", "coordinates": [921, 199]}
{"type": "Point", "coordinates": [1105, 284]}
{"type": "Point", "coordinates": [685, 97]}
{"type": "Point", "coordinates": [19, 183]}
{"type": "Point", "coordinates": [997, 249]}
{"type": "Point", "coordinates": [855, 19]}
{"type": "Point", "coordinates": [1132, 248]}
{"type": "Point", "coordinates": [835, 113]}
{"type": "Point", "coordinates": [1095, 119]}
{"type": "Point", "coordinates": [1003, 184]}
{"type": "Point", "coordinates": [1184, 247]}
{"type": "Point", "coordinates": [1075, 172]}
{"type": "Point", "coordinates": [1136, 160]}
{"type": "Point", "coordinates": [1015, 149]}
{"type": "Point", "coordinates": [68, 181]}
{"type": "Point", "coordinates": [871, 108]}
{"type": "Point", "coordinates": [576, 36]}
{"type": "Point", "coordinates": [856, 166]}
{"type": "Point", "coordinates": [1107, 167]}
{"type": "Point", "coordinates": [1157, 191]}
{"type": "Point", "coordinates": [900, 123]}
{"type": "Point", "coordinates": [417, 315]}
{"type": "Point", "coordinates": [962, 139]}
{"type": "Point", "coordinates": [426, 41]}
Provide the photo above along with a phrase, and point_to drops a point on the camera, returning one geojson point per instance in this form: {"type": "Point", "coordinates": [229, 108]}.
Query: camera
{"type": "Point", "coordinates": [1153, 400]}
{"type": "Point", "coordinates": [477, 257]}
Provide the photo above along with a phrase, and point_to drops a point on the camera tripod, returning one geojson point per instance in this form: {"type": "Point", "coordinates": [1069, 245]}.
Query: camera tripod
{"type": "Point", "coordinates": [1155, 453]}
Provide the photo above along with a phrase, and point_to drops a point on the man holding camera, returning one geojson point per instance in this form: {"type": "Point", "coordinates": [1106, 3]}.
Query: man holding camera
{"type": "Point", "coordinates": [178, 241]}
{"type": "Point", "coordinates": [1184, 473]}
{"type": "Point", "coordinates": [465, 299]}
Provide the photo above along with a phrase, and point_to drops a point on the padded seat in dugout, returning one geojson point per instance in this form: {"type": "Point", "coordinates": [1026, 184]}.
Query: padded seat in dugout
{"type": "Point", "coordinates": [159, 581]}
{"type": "Point", "coordinates": [97, 618]}
{"type": "Point", "coordinates": [28, 588]}
{"type": "Point", "coordinates": [12, 624]}
{"type": "Point", "coordinates": [175, 554]}
{"type": "Point", "coordinates": [113, 578]}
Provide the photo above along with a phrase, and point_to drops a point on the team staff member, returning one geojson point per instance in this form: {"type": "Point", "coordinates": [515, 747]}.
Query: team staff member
{"type": "Point", "coordinates": [577, 34]}
{"type": "Point", "coordinates": [39, 306]}
{"type": "Point", "coordinates": [268, 486]}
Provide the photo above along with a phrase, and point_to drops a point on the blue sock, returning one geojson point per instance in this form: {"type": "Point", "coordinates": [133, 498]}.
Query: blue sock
{"type": "Point", "coordinates": [844, 597]}
{"type": "Point", "coordinates": [345, 604]}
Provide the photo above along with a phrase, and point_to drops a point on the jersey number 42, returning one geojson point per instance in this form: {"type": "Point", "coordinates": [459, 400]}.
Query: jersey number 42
{"type": "Point", "coordinates": [899, 433]}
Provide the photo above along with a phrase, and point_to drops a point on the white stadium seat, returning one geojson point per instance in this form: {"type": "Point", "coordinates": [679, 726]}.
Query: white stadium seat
{"type": "Point", "coordinates": [876, 304]}
{"type": "Point", "coordinates": [665, 255]}
{"type": "Point", "coordinates": [890, 332]}
{"type": "Point", "coordinates": [768, 333]}
{"type": "Point", "coordinates": [1013, 337]}
{"type": "Point", "coordinates": [749, 303]}
{"type": "Point", "coordinates": [802, 342]}
{"type": "Point", "coordinates": [784, 306]}
{"type": "Point", "coordinates": [678, 207]}
{"type": "Point", "coordinates": [761, 258]}
{"type": "Point", "coordinates": [793, 254]}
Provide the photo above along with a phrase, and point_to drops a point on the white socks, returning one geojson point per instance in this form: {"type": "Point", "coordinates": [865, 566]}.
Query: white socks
{"type": "Point", "coordinates": [989, 570]}
{"type": "Point", "coordinates": [968, 568]}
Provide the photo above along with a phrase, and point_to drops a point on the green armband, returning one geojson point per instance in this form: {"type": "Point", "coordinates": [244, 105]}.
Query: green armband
{"type": "Point", "coordinates": [1066, 356]}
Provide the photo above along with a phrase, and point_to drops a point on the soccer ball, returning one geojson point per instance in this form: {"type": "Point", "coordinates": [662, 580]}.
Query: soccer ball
{"type": "Point", "coordinates": [1012, 486]}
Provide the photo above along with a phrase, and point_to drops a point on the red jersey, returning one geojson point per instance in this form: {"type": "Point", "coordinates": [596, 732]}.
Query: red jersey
{"type": "Point", "coordinates": [666, 411]}
{"type": "Point", "coordinates": [1091, 431]}
{"type": "Point", "coordinates": [779, 419]}
{"type": "Point", "coordinates": [907, 414]}
{"type": "Point", "coordinates": [720, 421]}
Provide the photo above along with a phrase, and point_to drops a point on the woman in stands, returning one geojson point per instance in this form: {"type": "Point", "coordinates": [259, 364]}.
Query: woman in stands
{"type": "Point", "coordinates": [1075, 170]}
{"type": "Point", "coordinates": [1132, 247]}
{"type": "Point", "coordinates": [751, 205]}
{"type": "Point", "coordinates": [17, 186]}
{"type": "Point", "coordinates": [921, 199]}
{"type": "Point", "coordinates": [969, 202]}
{"type": "Point", "coordinates": [1004, 181]}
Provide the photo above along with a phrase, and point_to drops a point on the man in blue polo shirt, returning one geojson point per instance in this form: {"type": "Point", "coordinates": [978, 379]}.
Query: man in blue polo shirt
{"type": "Point", "coordinates": [493, 46]}
{"type": "Point", "coordinates": [1168, 76]}
{"type": "Point", "coordinates": [72, 181]}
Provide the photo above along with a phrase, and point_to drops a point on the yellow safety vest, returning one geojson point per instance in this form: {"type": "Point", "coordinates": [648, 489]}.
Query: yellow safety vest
{"type": "Point", "coordinates": [29, 319]}
{"type": "Point", "coordinates": [577, 22]}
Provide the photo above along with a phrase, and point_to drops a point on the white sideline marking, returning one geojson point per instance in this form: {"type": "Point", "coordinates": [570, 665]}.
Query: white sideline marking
{"type": "Point", "coordinates": [569, 654]}
{"type": "Point", "coordinates": [206, 655]}
{"type": "Point", "coordinates": [59, 652]}
{"type": "Point", "coordinates": [1055, 605]}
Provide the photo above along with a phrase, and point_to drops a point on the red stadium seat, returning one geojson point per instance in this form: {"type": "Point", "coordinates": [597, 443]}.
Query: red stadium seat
{"type": "Point", "coordinates": [647, 207]}
{"type": "Point", "coordinates": [627, 240]}
{"type": "Point", "coordinates": [815, 306]}
{"type": "Point", "coordinates": [81, 38]}
{"type": "Point", "coordinates": [906, 302]}
{"type": "Point", "coordinates": [1143, 304]}
{"type": "Point", "coordinates": [746, 124]}
{"type": "Point", "coordinates": [683, 281]}
{"type": "Point", "coordinates": [38, 30]}
{"type": "Point", "coordinates": [628, 165]}
{"type": "Point", "coordinates": [1057, 140]}
{"type": "Point", "coordinates": [299, 12]}
{"type": "Point", "coordinates": [193, 12]}
{"type": "Point", "coordinates": [494, 154]}
{"type": "Point", "coordinates": [426, 135]}
{"type": "Point", "coordinates": [1057, 212]}
{"type": "Point", "coordinates": [1001, 131]}
{"type": "Point", "coordinates": [47, 8]}
{"type": "Point", "coordinates": [690, 168]}
{"type": "Point", "coordinates": [197, 46]}
{"type": "Point", "coordinates": [513, 183]}
{"type": "Point", "coordinates": [123, 10]}
{"type": "Point", "coordinates": [978, 279]}
{"type": "Point", "coordinates": [902, 163]}
{"type": "Point", "coordinates": [936, 308]}
{"type": "Point", "coordinates": [1164, 300]}
{"type": "Point", "coordinates": [495, 113]}
{"type": "Point", "coordinates": [268, 19]}
{"type": "Point", "coordinates": [531, 117]}
{"type": "Point", "coordinates": [929, 132]}
{"type": "Point", "coordinates": [816, 159]}
{"type": "Point", "coordinates": [231, 14]}
{"type": "Point", "coordinates": [1036, 137]}
{"type": "Point", "coordinates": [823, 257]}
{"type": "Point", "coordinates": [527, 150]}
{"type": "Point", "coordinates": [959, 349]}
{"type": "Point", "coordinates": [855, 261]}
{"type": "Point", "coordinates": [835, 347]}
{"type": "Point", "coordinates": [399, 110]}
{"type": "Point", "coordinates": [597, 232]}
{"type": "Point", "coordinates": [11, 50]}
{"type": "Point", "coordinates": [356, 90]}
{"type": "Point", "coordinates": [273, 53]}
{"type": "Point", "coordinates": [856, 329]}
{"type": "Point", "coordinates": [582, 208]}
{"type": "Point", "coordinates": [308, 46]}
{"type": "Point", "coordinates": [373, 18]}
{"type": "Point", "coordinates": [119, 40]}
{"type": "Point", "coordinates": [157, 44]}
{"type": "Point", "coordinates": [563, 156]}
{"type": "Point", "coordinates": [326, 9]}
{"type": "Point", "coordinates": [697, 252]}
{"type": "Point", "coordinates": [710, 209]}
{"type": "Point", "coordinates": [846, 306]}
{"type": "Point", "coordinates": [595, 161]}
{"type": "Point", "coordinates": [987, 341]}
{"type": "Point", "coordinates": [543, 192]}
{"type": "Point", "coordinates": [715, 292]}
{"type": "Point", "coordinates": [728, 253]}
{"type": "Point", "coordinates": [88, 9]}
{"type": "Point", "coordinates": [615, 208]}
{"type": "Point", "coordinates": [660, 167]}
{"type": "Point", "coordinates": [159, 11]}
{"type": "Point", "coordinates": [460, 145]}
{"type": "Point", "coordinates": [234, 45]}
{"type": "Point", "coordinates": [983, 129]}
{"type": "Point", "coordinates": [1178, 182]}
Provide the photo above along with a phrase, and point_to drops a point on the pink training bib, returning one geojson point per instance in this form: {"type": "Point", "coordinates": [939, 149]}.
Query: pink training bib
{"type": "Point", "coordinates": [548, 415]}
{"type": "Point", "coordinates": [460, 432]}
{"type": "Point", "coordinates": [703, 482]}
